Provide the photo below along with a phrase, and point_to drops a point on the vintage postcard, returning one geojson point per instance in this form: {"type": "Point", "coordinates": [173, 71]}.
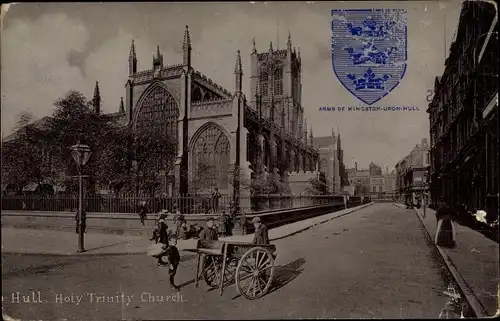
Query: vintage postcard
{"type": "Point", "coordinates": [250, 160]}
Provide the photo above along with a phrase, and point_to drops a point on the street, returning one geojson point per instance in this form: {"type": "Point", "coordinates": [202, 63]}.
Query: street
{"type": "Point", "coordinates": [373, 263]}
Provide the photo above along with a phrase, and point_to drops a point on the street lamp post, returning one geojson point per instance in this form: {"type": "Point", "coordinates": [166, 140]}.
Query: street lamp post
{"type": "Point", "coordinates": [81, 154]}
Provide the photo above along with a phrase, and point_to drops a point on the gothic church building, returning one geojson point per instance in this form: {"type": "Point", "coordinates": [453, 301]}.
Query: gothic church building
{"type": "Point", "coordinates": [220, 130]}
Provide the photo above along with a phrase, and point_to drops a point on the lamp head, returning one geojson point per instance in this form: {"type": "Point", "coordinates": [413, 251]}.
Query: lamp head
{"type": "Point", "coordinates": [81, 154]}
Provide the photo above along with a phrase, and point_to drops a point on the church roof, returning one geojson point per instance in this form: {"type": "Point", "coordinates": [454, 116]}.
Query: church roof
{"type": "Point", "coordinates": [204, 80]}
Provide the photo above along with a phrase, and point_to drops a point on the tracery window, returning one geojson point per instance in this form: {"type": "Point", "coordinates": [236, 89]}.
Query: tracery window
{"type": "Point", "coordinates": [278, 81]}
{"type": "Point", "coordinates": [210, 158]}
{"type": "Point", "coordinates": [159, 110]}
{"type": "Point", "coordinates": [206, 97]}
{"type": "Point", "coordinates": [264, 86]}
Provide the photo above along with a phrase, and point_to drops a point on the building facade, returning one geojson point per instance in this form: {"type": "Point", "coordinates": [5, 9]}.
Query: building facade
{"type": "Point", "coordinates": [331, 161]}
{"type": "Point", "coordinates": [222, 130]}
{"type": "Point", "coordinates": [371, 181]}
{"type": "Point", "coordinates": [464, 114]}
{"type": "Point", "coordinates": [412, 173]}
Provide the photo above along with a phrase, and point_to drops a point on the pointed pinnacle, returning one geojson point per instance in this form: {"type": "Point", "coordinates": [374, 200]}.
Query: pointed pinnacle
{"type": "Point", "coordinates": [96, 89]}
{"type": "Point", "coordinates": [187, 38]}
{"type": "Point", "coordinates": [289, 37]}
{"type": "Point", "coordinates": [271, 46]}
{"type": "Point", "coordinates": [238, 67]}
{"type": "Point", "coordinates": [254, 50]}
{"type": "Point", "coordinates": [132, 51]}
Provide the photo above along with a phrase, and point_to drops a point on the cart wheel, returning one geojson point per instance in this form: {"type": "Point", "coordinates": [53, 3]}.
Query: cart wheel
{"type": "Point", "coordinates": [254, 273]}
{"type": "Point", "coordinates": [211, 271]}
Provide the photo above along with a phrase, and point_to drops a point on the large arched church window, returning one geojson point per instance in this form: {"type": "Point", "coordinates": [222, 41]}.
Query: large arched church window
{"type": "Point", "coordinates": [210, 158]}
{"type": "Point", "coordinates": [206, 97]}
{"type": "Point", "coordinates": [159, 110]}
{"type": "Point", "coordinates": [264, 83]}
{"type": "Point", "coordinates": [197, 94]}
{"type": "Point", "coordinates": [278, 81]}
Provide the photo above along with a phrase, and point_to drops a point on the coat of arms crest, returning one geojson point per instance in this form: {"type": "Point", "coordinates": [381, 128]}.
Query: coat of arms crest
{"type": "Point", "coordinates": [369, 50]}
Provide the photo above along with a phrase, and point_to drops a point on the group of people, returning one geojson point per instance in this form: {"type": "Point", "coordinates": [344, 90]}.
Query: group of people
{"type": "Point", "coordinates": [261, 235]}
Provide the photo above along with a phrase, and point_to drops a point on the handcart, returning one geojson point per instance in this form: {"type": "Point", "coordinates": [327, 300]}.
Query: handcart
{"type": "Point", "coordinates": [250, 266]}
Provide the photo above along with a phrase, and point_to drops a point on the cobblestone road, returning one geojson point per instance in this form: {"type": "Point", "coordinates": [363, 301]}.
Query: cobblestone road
{"type": "Point", "coordinates": [373, 263]}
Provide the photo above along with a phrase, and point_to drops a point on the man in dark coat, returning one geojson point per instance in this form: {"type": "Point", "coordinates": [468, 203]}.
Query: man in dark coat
{"type": "Point", "coordinates": [209, 233]}
{"type": "Point", "coordinates": [162, 232]}
{"type": "Point", "coordinates": [215, 200]}
{"type": "Point", "coordinates": [261, 235]}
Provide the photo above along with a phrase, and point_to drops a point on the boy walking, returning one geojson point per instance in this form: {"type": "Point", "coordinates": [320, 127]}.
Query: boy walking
{"type": "Point", "coordinates": [170, 258]}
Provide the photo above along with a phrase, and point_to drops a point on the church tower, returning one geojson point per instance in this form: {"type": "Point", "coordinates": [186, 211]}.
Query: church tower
{"type": "Point", "coordinates": [276, 79]}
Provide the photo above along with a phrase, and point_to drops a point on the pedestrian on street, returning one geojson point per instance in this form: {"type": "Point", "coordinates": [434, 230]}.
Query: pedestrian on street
{"type": "Point", "coordinates": [172, 258]}
{"type": "Point", "coordinates": [215, 200]}
{"type": "Point", "coordinates": [445, 230]}
{"type": "Point", "coordinates": [209, 233]}
{"type": "Point", "coordinates": [163, 232]}
{"type": "Point", "coordinates": [223, 224]}
{"type": "Point", "coordinates": [183, 231]}
{"type": "Point", "coordinates": [143, 211]}
{"type": "Point", "coordinates": [261, 235]}
{"type": "Point", "coordinates": [84, 221]}
{"type": "Point", "coordinates": [163, 214]}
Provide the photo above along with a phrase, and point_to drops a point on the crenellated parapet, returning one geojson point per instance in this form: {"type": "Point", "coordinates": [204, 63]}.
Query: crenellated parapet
{"type": "Point", "coordinates": [166, 72]}
{"type": "Point", "coordinates": [216, 103]}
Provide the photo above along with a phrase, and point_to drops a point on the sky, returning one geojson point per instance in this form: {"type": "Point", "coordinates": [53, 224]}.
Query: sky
{"type": "Point", "coordinates": [49, 49]}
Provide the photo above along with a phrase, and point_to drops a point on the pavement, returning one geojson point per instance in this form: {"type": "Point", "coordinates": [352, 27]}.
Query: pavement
{"type": "Point", "coordinates": [53, 242]}
{"type": "Point", "coordinates": [473, 263]}
{"type": "Point", "coordinates": [376, 262]}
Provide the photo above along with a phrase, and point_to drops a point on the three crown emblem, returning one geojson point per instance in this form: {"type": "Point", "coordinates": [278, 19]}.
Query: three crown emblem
{"type": "Point", "coordinates": [369, 81]}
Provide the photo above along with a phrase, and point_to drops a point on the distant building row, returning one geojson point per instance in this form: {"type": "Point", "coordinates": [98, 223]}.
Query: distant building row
{"type": "Point", "coordinates": [412, 173]}
{"type": "Point", "coordinates": [371, 181]}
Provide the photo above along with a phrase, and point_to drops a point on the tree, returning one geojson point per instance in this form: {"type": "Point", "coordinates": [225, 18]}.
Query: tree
{"type": "Point", "coordinates": [317, 186]}
{"type": "Point", "coordinates": [360, 189]}
{"type": "Point", "coordinates": [151, 152]}
{"type": "Point", "coordinates": [344, 177]}
{"type": "Point", "coordinates": [74, 121]}
{"type": "Point", "coordinates": [24, 156]}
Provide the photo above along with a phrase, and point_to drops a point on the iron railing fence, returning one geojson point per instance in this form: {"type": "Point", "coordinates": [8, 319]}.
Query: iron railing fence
{"type": "Point", "coordinates": [201, 204]}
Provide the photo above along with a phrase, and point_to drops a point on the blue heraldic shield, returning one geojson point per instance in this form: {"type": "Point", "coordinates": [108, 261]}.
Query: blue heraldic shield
{"type": "Point", "coordinates": [369, 51]}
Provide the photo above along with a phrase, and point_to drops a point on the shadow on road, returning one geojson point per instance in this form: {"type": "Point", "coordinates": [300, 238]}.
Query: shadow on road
{"type": "Point", "coordinates": [46, 269]}
{"type": "Point", "coordinates": [106, 246]}
{"type": "Point", "coordinates": [284, 274]}
{"type": "Point", "coordinates": [287, 273]}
